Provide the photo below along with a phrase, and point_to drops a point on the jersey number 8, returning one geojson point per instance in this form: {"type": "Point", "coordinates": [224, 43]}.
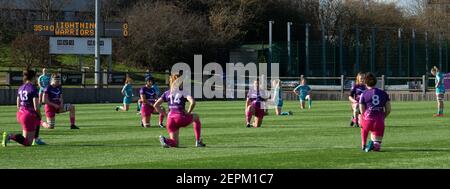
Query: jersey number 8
{"type": "Point", "coordinates": [375, 100]}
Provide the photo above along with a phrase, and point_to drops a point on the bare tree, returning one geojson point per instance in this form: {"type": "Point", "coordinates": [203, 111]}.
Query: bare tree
{"type": "Point", "coordinates": [331, 14]}
{"type": "Point", "coordinates": [229, 19]}
{"type": "Point", "coordinates": [161, 35]}
{"type": "Point", "coordinates": [12, 20]}
{"type": "Point", "coordinates": [29, 50]}
{"type": "Point", "coordinates": [49, 9]}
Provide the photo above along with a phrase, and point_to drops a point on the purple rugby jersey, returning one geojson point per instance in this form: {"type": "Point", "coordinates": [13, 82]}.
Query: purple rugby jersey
{"type": "Point", "coordinates": [374, 100]}
{"type": "Point", "coordinates": [176, 100]}
{"type": "Point", "coordinates": [26, 93]}
{"type": "Point", "coordinates": [149, 93]}
{"type": "Point", "coordinates": [357, 90]}
{"type": "Point", "coordinates": [53, 93]}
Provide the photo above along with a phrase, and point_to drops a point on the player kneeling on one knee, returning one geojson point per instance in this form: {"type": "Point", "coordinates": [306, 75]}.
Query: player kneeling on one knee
{"type": "Point", "coordinates": [255, 105]}
{"type": "Point", "coordinates": [28, 112]}
{"type": "Point", "coordinates": [178, 117]}
{"type": "Point", "coordinates": [304, 93]}
{"type": "Point", "coordinates": [357, 90]}
{"type": "Point", "coordinates": [54, 104]}
{"type": "Point", "coordinates": [148, 97]}
{"type": "Point", "coordinates": [278, 98]}
{"type": "Point", "coordinates": [375, 106]}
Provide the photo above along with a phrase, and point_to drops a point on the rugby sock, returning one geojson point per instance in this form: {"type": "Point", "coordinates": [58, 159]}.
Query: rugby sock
{"type": "Point", "coordinates": [161, 118]}
{"type": "Point", "coordinates": [19, 139]}
{"type": "Point", "coordinates": [310, 103]}
{"type": "Point", "coordinates": [284, 113]}
{"type": "Point", "coordinates": [364, 134]}
{"type": "Point", "coordinates": [138, 107]}
{"type": "Point", "coordinates": [248, 115]}
{"type": "Point", "coordinates": [197, 129]}
{"type": "Point", "coordinates": [36, 134]}
{"type": "Point", "coordinates": [145, 124]}
{"type": "Point", "coordinates": [72, 120]}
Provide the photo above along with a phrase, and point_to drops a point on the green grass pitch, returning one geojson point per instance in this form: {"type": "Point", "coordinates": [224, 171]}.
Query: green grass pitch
{"type": "Point", "coordinates": [317, 138]}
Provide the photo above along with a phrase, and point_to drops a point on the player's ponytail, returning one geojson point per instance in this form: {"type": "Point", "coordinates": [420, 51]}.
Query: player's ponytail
{"type": "Point", "coordinates": [174, 82]}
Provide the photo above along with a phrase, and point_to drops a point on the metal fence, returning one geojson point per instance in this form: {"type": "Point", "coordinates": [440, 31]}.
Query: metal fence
{"type": "Point", "coordinates": [385, 51]}
{"type": "Point", "coordinates": [422, 84]}
{"type": "Point", "coordinates": [12, 77]}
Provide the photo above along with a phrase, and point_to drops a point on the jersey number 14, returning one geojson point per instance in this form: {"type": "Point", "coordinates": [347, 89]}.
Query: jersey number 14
{"type": "Point", "coordinates": [175, 100]}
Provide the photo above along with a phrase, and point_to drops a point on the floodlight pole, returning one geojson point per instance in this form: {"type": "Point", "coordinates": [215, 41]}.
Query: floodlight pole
{"type": "Point", "coordinates": [270, 41]}
{"type": "Point", "coordinates": [400, 52]}
{"type": "Point", "coordinates": [307, 50]}
{"type": "Point", "coordinates": [289, 24]}
{"type": "Point", "coordinates": [98, 81]}
{"type": "Point", "coordinates": [427, 58]}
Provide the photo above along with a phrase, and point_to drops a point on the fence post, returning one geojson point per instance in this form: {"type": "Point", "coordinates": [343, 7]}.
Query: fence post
{"type": "Point", "coordinates": [341, 51]}
{"type": "Point", "coordinates": [427, 58]}
{"type": "Point", "coordinates": [83, 78]}
{"type": "Point", "coordinates": [270, 41]}
{"type": "Point", "coordinates": [400, 51]}
{"type": "Point", "coordinates": [307, 49]}
{"type": "Point", "coordinates": [413, 52]}
{"type": "Point", "coordinates": [105, 77]}
{"type": "Point", "coordinates": [8, 78]}
{"type": "Point", "coordinates": [342, 86]}
{"type": "Point", "coordinates": [424, 85]}
{"type": "Point", "coordinates": [440, 50]}
{"type": "Point", "coordinates": [324, 52]}
{"type": "Point", "coordinates": [383, 80]}
{"type": "Point", "coordinates": [373, 49]}
{"type": "Point", "coordinates": [289, 24]}
{"type": "Point", "coordinates": [388, 53]}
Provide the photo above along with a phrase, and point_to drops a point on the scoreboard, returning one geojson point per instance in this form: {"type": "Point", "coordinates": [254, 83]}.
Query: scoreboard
{"type": "Point", "coordinates": [79, 29]}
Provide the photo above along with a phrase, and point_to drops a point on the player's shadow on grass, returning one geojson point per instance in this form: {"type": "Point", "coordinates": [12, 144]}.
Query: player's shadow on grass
{"type": "Point", "coordinates": [416, 150]}
{"type": "Point", "coordinates": [240, 146]}
{"type": "Point", "coordinates": [106, 145]}
{"type": "Point", "coordinates": [402, 126]}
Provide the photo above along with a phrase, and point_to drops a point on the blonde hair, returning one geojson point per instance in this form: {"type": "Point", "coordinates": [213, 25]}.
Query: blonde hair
{"type": "Point", "coordinates": [276, 82]}
{"type": "Point", "coordinates": [435, 69]}
{"type": "Point", "coordinates": [129, 79]}
{"type": "Point", "coordinates": [55, 77]}
{"type": "Point", "coordinates": [359, 75]}
{"type": "Point", "coordinates": [174, 82]}
{"type": "Point", "coordinates": [303, 80]}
